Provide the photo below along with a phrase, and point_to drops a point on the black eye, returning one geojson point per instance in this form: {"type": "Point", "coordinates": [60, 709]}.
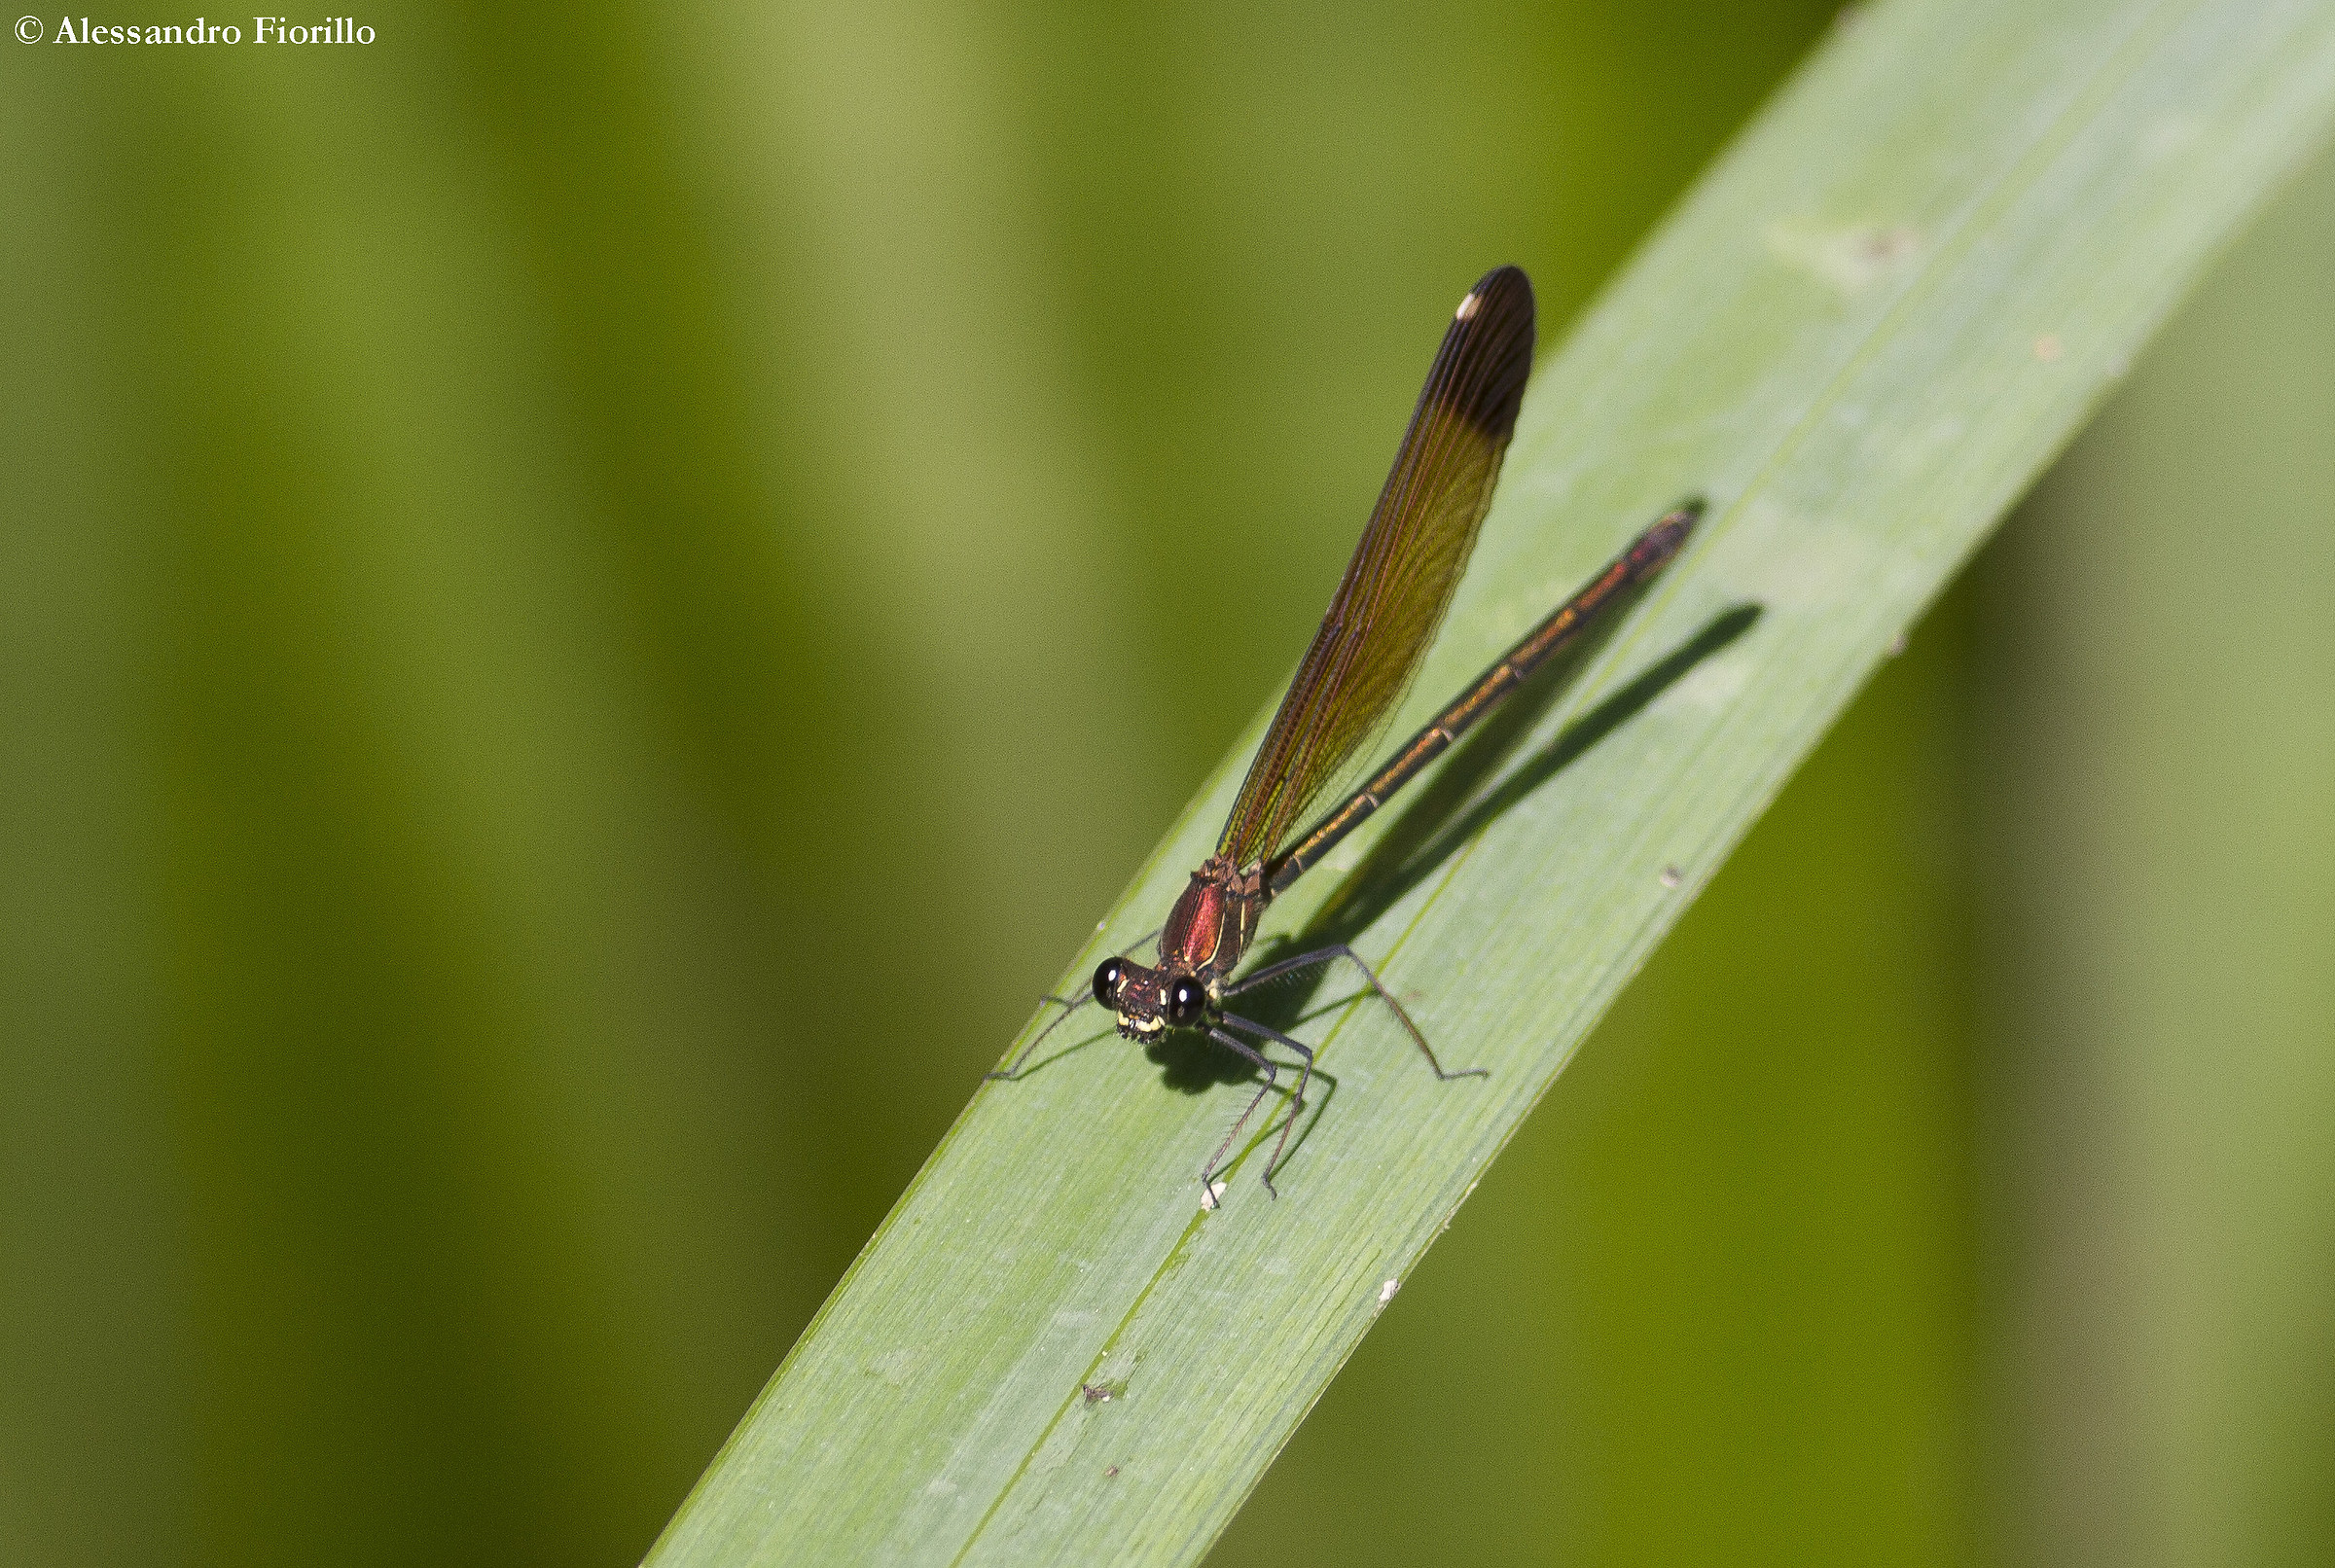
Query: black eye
{"type": "Point", "coordinates": [1106, 981]}
{"type": "Point", "coordinates": [1185, 999]}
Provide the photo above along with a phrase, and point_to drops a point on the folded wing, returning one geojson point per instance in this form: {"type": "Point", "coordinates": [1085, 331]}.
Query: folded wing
{"type": "Point", "coordinates": [1399, 584]}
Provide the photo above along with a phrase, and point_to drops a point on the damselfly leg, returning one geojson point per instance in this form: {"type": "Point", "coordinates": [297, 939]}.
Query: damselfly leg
{"type": "Point", "coordinates": [1330, 955]}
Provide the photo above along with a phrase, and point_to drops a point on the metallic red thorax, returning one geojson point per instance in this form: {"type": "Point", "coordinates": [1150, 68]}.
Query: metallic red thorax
{"type": "Point", "coordinates": [1212, 923]}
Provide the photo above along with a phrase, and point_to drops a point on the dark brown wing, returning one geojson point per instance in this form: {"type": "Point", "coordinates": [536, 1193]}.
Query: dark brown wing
{"type": "Point", "coordinates": [1400, 581]}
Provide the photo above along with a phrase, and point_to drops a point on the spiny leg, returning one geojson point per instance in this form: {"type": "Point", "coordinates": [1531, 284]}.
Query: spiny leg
{"type": "Point", "coordinates": [1067, 1006]}
{"type": "Point", "coordinates": [1297, 1103]}
{"type": "Point", "coordinates": [1207, 1174]}
{"type": "Point", "coordinates": [1331, 954]}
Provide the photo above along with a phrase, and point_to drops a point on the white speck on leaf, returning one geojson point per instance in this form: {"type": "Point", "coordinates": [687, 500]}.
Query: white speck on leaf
{"type": "Point", "coordinates": [1388, 1290]}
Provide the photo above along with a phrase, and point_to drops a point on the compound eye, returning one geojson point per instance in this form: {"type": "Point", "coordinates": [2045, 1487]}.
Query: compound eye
{"type": "Point", "coordinates": [1106, 981]}
{"type": "Point", "coordinates": [1185, 999]}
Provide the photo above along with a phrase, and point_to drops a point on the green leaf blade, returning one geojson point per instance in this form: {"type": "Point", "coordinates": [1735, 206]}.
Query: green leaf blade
{"type": "Point", "coordinates": [1860, 338]}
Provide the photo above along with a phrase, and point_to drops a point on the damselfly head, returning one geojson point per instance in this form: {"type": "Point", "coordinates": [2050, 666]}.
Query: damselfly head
{"type": "Point", "coordinates": [1149, 1002]}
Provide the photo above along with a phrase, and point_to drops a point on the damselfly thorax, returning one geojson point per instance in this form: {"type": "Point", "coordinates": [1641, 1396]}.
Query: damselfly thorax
{"type": "Point", "coordinates": [1207, 931]}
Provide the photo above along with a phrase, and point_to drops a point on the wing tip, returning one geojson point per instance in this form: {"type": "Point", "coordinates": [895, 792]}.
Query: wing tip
{"type": "Point", "coordinates": [1500, 308]}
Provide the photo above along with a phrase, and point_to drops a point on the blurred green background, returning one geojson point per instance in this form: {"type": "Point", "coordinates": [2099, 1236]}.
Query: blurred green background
{"type": "Point", "coordinates": [592, 600]}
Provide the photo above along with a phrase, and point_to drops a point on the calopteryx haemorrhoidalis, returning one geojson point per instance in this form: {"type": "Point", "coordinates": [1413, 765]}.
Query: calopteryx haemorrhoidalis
{"type": "Point", "coordinates": [1375, 633]}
